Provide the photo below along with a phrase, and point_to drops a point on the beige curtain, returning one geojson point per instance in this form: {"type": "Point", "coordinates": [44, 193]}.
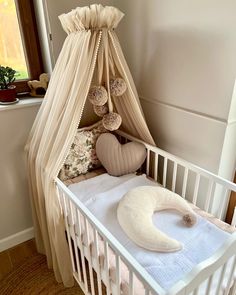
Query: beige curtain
{"type": "Point", "coordinates": [90, 33]}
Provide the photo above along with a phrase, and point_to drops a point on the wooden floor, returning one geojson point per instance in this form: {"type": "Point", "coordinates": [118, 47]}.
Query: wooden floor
{"type": "Point", "coordinates": [24, 271]}
{"type": "Point", "coordinates": [13, 257]}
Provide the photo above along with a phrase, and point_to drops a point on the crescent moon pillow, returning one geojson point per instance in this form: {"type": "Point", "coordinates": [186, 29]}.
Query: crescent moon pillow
{"type": "Point", "coordinates": [135, 212]}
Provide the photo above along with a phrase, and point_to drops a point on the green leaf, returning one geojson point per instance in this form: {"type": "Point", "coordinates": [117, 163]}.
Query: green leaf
{"type": "Point", "coordinates": [7, 76]}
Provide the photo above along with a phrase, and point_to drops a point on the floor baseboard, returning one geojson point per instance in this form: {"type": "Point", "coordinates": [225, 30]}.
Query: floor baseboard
{"type": "Point", "coordinates": [16, 239]}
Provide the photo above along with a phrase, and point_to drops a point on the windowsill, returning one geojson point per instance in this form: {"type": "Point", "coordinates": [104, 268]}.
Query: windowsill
{"type": "Point", "coordinates": [23, 103]}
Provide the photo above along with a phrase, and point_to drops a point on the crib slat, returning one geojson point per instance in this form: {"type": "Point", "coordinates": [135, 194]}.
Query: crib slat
{"type": "Point", "coordinates": [233, 222]}
{"type": "Point", "coordinates": [148, 162]}
{"type": "Point", "coordinates": [99, 280]}
{"type": "Point", "coordinates": [209, 284]}
{"type": "Point", "coordinates": [230, 277]}
{"type": "Point", "coordinates": [185, 182]}
{"type": "Point", "coordinates": [222, 274]}
{"type": "Point", "coordinates": [89, 257]}
{"type": "Point", "coordinates": [164, 172]}
{"type": "Point", "coordinates": [156, 167]}
{"type": "Point", "coordinates": [147, 292]}
{"type": "Point", "coordinates": [107, 268]}
{"type": "Point", "coordinates": [196, 291]}
{"type": "Point", "coordinates": [74, 242]}
{"type": "Point", "coordinates": [81, 247]}
{"type": "Point", "coordinates": [209, 195]}
{"type": "Point", "coordinates": [222, 207]}
{"type": "Point", "coordinates": [68, 230]}
{"type": "Point", "coordinates": [131, 283]}
{"type": "Point", "coordinates": [63, 203]}
{"type": "Point", "coordinates": [118, 279]}
{"type": "Point", "coordinates": [196, 187]}
{"type": "Point", "coordinates": [59, 194]}
{"type": "Point", "coordinates": [174, 177]}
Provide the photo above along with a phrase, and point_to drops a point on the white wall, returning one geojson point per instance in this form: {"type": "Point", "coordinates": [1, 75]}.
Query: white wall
{"type": "Point", "coordinates": [15, 213]}
{"type": "Point", "coordinates": [182, 57]}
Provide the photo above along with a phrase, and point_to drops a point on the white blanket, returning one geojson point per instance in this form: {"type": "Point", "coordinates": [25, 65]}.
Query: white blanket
{"type": "Point", "coordinates": [102, 194]}
{"type": "Point", "coordinates": [88, 188]}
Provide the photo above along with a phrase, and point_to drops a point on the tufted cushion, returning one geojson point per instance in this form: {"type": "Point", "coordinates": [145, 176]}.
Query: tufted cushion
{"type": "Point", "coordinates": [82, 156]}
{"type": "Point", "coordinates": [119, 159]}
{"type": "Point", "coordinates": [135, 212]}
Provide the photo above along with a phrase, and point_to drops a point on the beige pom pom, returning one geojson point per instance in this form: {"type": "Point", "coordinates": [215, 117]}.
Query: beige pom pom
{"type": "Point", "coordinates": [189, 219]}
{"type": "Point", "coordinates": [97, 95]}
{"type": "Point", "coordinates": [112, 121]}
{"type": "Point", "coordinates": [117, 86]}
{"type": "Point", "coordinates": [100, 111]}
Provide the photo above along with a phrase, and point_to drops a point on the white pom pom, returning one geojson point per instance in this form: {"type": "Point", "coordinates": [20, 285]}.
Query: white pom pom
{"type": "Point", "coordinates": [100, 111]}
{"type": "Point", "coordinates": [98, 95]}
{"type": "Point", "coordinates": [112, 121]}
{"type": "Point", "coordinates": [117, 86]}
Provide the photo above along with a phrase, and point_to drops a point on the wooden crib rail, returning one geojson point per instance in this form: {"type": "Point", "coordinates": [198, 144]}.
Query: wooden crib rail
{"type": "Point", "coordinates": [78, 220]}
{"type": "Point", "coordinates": [223, 260]}
{"type": "Point", "coordinates": [97, 245]}
{"type": "Point", "coordinates": [70, 205]}
{"type": "Point", "coordinates": [230, 185]}
{"type": "Point", "coordinates": [208, 191]}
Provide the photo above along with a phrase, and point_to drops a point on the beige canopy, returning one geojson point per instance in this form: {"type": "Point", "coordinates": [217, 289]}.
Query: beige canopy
{"type": "Point", "coordinates": [90, 53]}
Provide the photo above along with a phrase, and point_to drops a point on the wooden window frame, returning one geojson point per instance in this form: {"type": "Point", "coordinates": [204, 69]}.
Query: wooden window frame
{"type": "Point", "coordinates": [30, 40]}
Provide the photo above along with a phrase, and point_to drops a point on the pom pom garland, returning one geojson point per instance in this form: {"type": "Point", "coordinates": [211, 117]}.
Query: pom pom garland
{"type": "Point", "coordinates": [117, 86]}
{"type": "Point", "coordinates": [112, 121]}
{"type": "Point", "coordinates": [100, 111]}
{"type": "Point", "coordinates": [98, 95]}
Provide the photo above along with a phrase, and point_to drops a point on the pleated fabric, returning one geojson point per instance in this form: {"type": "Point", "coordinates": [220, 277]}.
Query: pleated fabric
{"type": "Point", "coordinates": [91, 43]}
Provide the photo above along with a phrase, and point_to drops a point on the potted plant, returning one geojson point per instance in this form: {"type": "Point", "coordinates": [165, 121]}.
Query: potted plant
{"type": "Point", "coordinates": [7, 90]}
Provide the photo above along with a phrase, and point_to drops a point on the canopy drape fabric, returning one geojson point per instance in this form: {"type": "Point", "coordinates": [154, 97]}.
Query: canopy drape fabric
{"type": "Point", "coordinates": [91, 43]}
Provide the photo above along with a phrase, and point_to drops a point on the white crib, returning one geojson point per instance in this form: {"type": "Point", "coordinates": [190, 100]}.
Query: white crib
{"type": "Point", "coordinates": [191, 182]}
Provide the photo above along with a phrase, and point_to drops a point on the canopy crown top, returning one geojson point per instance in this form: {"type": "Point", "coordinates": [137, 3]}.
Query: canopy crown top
{"type": "Point", "coordinates": [93, 17]}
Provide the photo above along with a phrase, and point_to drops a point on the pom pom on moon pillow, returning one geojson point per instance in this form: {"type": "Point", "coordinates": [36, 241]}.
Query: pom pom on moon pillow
{"type": "Point", "coordinates": [119, 159]}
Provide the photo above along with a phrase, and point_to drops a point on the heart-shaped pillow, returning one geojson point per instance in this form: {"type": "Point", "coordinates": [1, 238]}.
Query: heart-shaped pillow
{"type": "Point", "coordinates": [119, 159]}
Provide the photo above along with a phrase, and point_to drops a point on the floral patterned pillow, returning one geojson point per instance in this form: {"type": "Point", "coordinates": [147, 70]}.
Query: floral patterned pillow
{"type": "Point", "coordinates": [82, 156]}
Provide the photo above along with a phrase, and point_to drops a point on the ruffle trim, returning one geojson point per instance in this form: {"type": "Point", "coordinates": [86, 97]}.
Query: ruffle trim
{"type": "Point", "coordinates": [91, 17]}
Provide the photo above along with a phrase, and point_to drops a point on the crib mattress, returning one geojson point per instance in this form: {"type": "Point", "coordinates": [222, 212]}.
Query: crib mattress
{"type": "Point", "coordinates": [102, 194]}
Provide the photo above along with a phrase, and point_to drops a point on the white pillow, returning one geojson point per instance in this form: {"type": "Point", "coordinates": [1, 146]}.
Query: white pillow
{"type": "Point", "coordinates": [135, 212]}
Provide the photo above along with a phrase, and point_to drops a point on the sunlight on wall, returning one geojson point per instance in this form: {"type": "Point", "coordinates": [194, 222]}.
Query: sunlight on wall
{"type": "Point", "coordinates": [11, 46]}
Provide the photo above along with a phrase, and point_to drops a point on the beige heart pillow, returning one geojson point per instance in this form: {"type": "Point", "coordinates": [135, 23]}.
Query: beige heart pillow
{"type": "Point", "coordinates": [119, 159]}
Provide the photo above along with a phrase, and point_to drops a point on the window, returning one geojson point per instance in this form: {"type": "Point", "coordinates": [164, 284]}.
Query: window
{"type": "Point", "coordinates": [19, 44]}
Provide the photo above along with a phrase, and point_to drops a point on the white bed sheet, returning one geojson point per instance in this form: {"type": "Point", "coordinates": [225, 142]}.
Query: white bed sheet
{"type": "Point", "coordinates": [101, 195]}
